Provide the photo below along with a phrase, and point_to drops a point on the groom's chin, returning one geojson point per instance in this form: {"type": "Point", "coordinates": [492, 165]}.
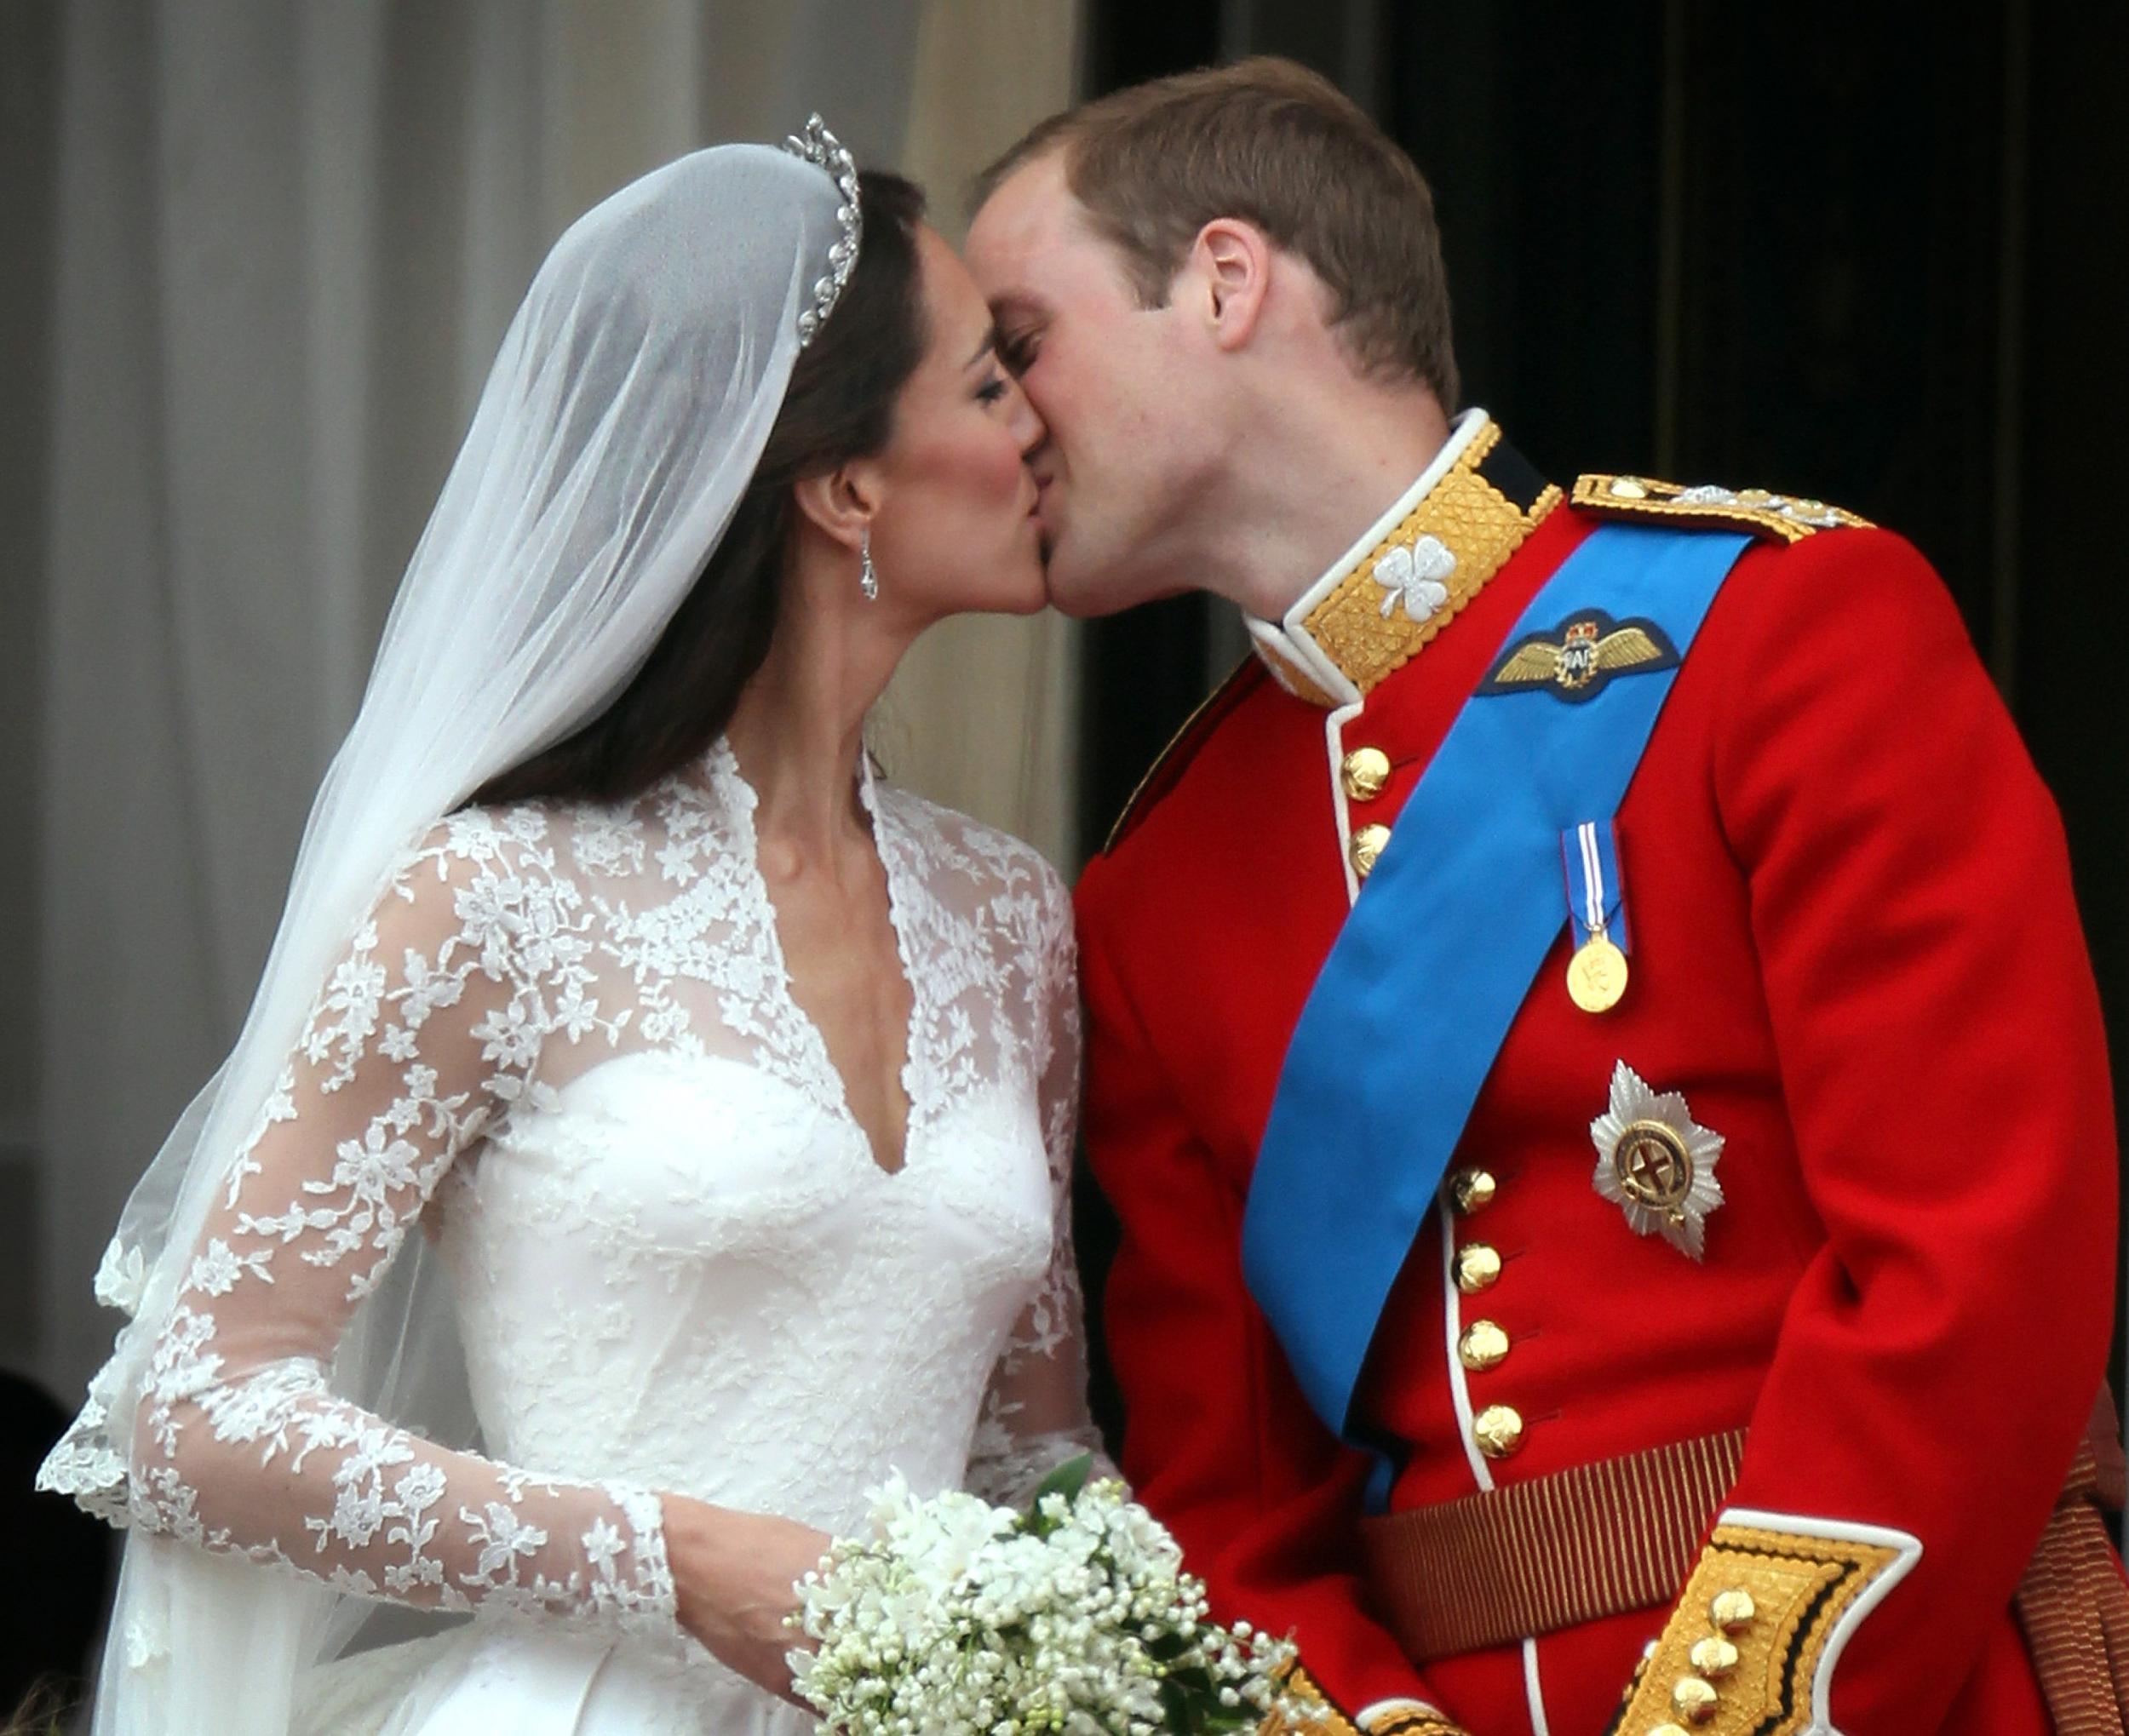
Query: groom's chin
{"type": "Point", "coordinates": [1079, 607]}
{"type": "Point", "coordinates": [1076, 593]}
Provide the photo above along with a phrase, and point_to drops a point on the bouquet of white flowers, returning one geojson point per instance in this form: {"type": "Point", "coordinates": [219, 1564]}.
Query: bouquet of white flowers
{"type": "Point", "coordinates": [955, 1618]}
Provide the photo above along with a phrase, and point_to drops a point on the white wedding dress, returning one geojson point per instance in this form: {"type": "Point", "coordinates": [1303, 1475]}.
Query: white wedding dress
{"type": "Point", "coordinates": [565, 1046]}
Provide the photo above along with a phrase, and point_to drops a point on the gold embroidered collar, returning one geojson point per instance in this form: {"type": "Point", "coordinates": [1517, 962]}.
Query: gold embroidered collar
{"type": "Point", "coordinates": [1414, 570]}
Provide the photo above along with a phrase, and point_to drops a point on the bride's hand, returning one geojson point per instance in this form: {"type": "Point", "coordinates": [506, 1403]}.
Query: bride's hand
{"type": "Point", "coordinates": [734, 1576]}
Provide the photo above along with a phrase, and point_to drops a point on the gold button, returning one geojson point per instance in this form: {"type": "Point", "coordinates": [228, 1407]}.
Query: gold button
{"type": "Point", "coordinates": [1478, 1267]}
{"type": "Point", "coordinates": [1498, 1429]}
{"type": "Point", "coordinates": [1714, 1657]}
{"type": "Point", "coordinates": [1483, 1345]}
{"type": "Point", "coordinates": [1629, 488]}
{"type": "Point", "coordinates": [1368, 844]}
{"type": "Point", "coordinates": [1364, 772]}
{"type": "Point", "coordinates": [1695, 1700]}
{"type": "Point", "coordinates": [1732, 1611]}
{"type": "Point", "coordinates": [1472, 1190]}
{"type": "Point", "coordinates": [1668, 1730]}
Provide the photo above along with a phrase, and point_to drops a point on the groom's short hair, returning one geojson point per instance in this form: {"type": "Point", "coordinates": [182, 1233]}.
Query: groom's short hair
{"type": "Point", "coordinates": [1270, 142]}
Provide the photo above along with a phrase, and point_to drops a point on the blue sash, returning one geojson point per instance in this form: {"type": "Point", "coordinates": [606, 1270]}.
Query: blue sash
{"type": "Point", "coordinates": [1439, 953]}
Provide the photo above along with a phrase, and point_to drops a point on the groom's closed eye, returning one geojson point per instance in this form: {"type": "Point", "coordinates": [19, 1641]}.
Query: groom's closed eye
{"type": "Point", "coordinates": [1017, 349]}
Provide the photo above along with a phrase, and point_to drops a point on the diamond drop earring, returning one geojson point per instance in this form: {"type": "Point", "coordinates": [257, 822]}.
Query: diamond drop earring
{"type": "Point", "coordinates": [867, 575]}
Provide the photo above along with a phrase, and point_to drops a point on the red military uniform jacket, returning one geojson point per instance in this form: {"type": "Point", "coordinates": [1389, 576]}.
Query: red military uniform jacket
{"type": "Point", "coordinates": [1856, 954]}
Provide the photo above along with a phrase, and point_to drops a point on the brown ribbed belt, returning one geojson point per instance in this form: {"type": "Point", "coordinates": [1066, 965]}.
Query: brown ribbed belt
{"type": "Point", "coordinates": [1600, 1539]}
{"type": "Point", "coordinates": [1493, 1568]}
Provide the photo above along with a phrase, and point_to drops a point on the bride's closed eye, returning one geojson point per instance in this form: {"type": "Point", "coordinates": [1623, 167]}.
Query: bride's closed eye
{"type": "Point", "coordinates": [993, 389]}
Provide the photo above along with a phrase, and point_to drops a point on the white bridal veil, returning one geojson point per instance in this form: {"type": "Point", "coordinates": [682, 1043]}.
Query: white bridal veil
{"type": "Point", "coordinates": [618, 429]}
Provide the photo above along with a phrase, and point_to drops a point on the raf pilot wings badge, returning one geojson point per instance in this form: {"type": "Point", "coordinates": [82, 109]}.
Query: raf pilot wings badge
{"type": "Point", "coordinates": [1581, 657]}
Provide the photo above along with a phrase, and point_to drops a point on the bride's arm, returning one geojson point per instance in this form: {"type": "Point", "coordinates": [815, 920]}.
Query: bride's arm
{"type": "Point", "coordinates": [1035, 1414]}
{"type": "Point", "coordinates": [429, 1028]}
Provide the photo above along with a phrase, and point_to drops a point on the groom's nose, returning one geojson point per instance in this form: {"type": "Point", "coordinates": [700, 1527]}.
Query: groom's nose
{"type": "Point", "coordinates": [1028, 427]}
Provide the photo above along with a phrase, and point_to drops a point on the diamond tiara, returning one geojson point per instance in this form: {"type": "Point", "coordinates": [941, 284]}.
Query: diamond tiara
{"type": "Point", "coordinates": [822, 148]}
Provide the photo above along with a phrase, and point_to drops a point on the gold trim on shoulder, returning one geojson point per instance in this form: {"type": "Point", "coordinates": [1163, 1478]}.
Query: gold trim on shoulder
{"type": "Point", "coordinates": [1418, 578]}
{"type": "Point", "coordinates": [1777, 517]}
{"type": "Point", "coordinates": [1763, 1617]}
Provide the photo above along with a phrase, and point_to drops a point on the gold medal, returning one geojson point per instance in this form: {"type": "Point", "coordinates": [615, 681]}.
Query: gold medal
{"type": "Point", "coordinates": [1597, 974]}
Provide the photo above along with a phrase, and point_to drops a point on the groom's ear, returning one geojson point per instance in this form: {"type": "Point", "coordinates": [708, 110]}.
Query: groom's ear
{"type": "Point", "coordinates": [840, 502]}
{"type": "Point", "coordinates": [1231, 262]}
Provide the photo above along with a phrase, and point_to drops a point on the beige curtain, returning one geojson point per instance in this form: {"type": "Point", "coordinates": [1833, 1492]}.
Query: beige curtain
{"type": "Point", "coordinates": [982, 712]}
{"type": "Point", "coordinates": [286, 239]}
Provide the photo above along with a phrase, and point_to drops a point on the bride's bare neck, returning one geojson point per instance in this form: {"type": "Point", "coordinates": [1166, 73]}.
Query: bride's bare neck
{"type": "Point", "coordinates": [799, 724]}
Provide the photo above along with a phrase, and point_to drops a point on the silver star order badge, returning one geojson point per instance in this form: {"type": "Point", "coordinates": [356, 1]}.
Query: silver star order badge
{"type": "Point", "coordinates": [1657, 1163]}
{"type": "Point", "coordinates": [1413, 576]}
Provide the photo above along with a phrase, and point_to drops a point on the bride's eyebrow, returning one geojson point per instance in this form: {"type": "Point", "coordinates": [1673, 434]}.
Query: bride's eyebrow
{"type": "Point", "coordinates": [989, 345]}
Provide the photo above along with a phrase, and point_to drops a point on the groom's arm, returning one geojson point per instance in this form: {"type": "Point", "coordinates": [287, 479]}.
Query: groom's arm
{"type": "Point", "coordinates": [1220, 1442]}
{"type": "Point", "coordinates": [1944, 1070]}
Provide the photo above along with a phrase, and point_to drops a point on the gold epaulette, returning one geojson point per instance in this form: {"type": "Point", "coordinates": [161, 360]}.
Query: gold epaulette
{"type": "Point", "coordinates": [1169, 764]}
{"type": "Point", "coordinates": [1777, 517]}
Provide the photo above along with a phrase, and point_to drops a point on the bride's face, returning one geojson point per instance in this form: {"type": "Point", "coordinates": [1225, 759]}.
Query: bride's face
{"type": "Point", "coordinates": [955, 529]}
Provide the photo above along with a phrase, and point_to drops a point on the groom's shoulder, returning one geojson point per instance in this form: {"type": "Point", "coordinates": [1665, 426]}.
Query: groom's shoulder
{"type": "Point", "coordinates": [1174, 760]}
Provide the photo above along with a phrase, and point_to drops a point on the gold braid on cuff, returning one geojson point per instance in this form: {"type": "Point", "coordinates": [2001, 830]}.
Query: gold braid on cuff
{"type": "Point", "coordinates": [1318, 1715]}
{"type": "Point", "coordinates": [1308, 1711]}
{"type": "Point", "coordinates": [1744, 1646]}
{"type": "Point", "coordinates": [1422, 1721]}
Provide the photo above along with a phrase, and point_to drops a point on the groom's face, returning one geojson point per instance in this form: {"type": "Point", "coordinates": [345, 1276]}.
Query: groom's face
{"type": "Point", "coordinates": [1114, 382]}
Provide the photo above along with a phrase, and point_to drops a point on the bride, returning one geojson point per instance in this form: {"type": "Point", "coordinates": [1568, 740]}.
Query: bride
{"type": "Point", "coordinates": [639, 1087]}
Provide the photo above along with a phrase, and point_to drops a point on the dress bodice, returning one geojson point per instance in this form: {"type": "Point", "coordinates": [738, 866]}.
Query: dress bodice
{"type": "Point", "coordinates": [689, 1244]}
{"type": "Point", "coordinates": [565, 1043]}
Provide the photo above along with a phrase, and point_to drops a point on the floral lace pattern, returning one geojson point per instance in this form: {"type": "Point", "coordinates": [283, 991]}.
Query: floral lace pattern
{"type": "Point", "coordinates": [565, 1044]}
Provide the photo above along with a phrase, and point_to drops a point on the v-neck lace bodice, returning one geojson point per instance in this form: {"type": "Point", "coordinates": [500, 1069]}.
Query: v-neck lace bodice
{"type": "Point", "coordinates": [723, 768]}
{"type": "Point", "coordinates": [567, 1034]}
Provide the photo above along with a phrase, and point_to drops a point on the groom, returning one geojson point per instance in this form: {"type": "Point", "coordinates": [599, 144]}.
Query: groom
{"type": "Point", "coordinates": [1590, 1042]}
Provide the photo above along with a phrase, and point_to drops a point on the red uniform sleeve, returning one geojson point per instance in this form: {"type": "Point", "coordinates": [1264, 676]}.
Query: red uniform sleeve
{"type": "Point", "coordinates": [1944, 1067]}
{"type": "Point", "coordinates": [1220, 1443]}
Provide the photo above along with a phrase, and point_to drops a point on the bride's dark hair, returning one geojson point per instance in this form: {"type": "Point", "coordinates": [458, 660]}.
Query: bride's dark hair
{"type": "Point", "coordinates": [840, 406]}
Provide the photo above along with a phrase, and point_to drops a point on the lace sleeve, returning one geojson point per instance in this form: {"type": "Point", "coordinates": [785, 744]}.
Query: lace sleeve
{"type": "Point", "coordinates": [429, 1027]}
{"type": "Point", "coordinates": [1035, 1414]}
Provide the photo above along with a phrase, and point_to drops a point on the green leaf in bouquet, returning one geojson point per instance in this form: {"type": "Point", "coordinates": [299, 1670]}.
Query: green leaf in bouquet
{"type": "Point", "coordinates": [1200, 1714]}
{"type": "Point", "coordinates": [1067, 1480]}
